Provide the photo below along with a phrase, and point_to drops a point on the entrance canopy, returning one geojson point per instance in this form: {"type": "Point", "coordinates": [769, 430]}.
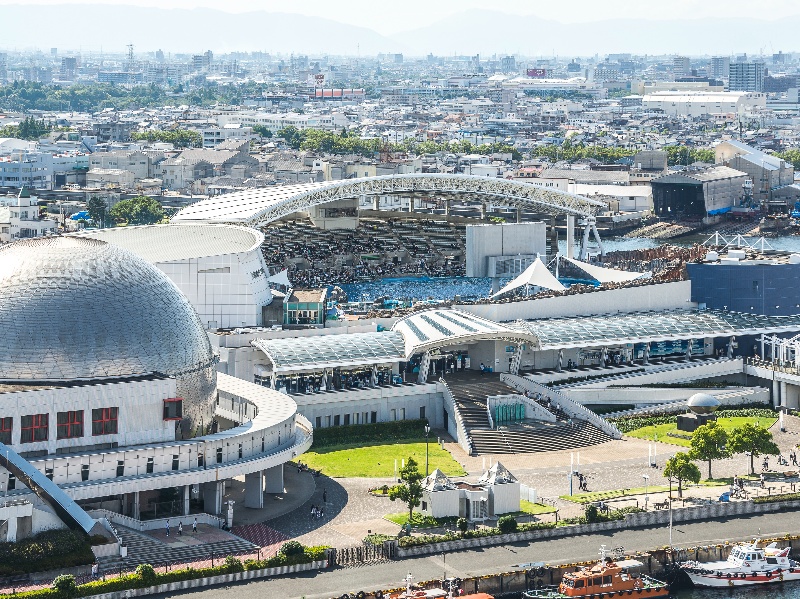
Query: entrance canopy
{"type": "Point", "coordinates": [433, 329]}
{"type": "Point", "coordinates": [536, 274]}
{"type": "Point", "coordinates": [608, 275]}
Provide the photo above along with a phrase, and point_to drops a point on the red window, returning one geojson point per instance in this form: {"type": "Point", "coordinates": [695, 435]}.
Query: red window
{"type": "Point", "coordinates": [34, 428]}
{"type": "Point", "coordinates": [105, 421]}
{"type": "Point", "coordinates": [173, 408]}
{"type": "Point", "coordinates": [5, 430]}
{"type": "Point", "coordinates": [69, 425]}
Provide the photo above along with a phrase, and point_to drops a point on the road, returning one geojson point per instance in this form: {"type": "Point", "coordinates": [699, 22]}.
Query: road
{"type": "Point", "coordinates": [333, 583]}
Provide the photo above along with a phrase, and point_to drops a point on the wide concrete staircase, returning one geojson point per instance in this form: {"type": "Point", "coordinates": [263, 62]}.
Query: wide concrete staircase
{"type": "Point", "coordinates": [470, 392]}
{"type": "Point", "coordinates": [143, 549]}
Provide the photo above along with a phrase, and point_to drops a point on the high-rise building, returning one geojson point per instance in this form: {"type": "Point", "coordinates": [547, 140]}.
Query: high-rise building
{"type": "Point", "coordinates": [69, 66]}
{"type": "Point", "coordinates": [681, 66]}
{"type": "Point", "coordinates": [720, 67]}
{"type": "Point", "coordinates": [508, 64]}
{"type": "Point", "coordinates": [746, 77]}
{"type": "Point", "coordinates": [3, 68]}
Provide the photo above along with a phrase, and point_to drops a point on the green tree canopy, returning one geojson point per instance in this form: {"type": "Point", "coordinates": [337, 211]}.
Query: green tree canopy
{"type": "Point", "coordinates": [752, 439]}
{"type": "Point", "coordinates": [180, 138]}
{"type": "Point", "coordinates": [262, 131]}
{"type": "Point", "coordinates": [98, 210]}
{"type": "Point", "coordinates": [709, 443]}
{"type": "Point", "coordinates": [681, 469]}
{"type": "Point", "coordinates": [141, 210]}
{"type": "Point", "coordinates": [410, 489]}
{"type": "Point", "coordinates": [29, 129]}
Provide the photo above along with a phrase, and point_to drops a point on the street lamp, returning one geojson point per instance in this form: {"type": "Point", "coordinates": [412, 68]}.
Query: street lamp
{"type": "Point", "coordinates": [646, 478]}
{"type": "Point", "coordinates": [427, 430]}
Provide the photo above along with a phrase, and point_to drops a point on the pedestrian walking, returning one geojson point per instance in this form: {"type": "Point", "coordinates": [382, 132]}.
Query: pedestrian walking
{"type": "Point", "coordinates": [194, 526]}
{"type": "Point", "coordinates": [166, 525]}
{"type": "Point", "coordinates": [95, 570]}
{"type": "Point", "coordinates": [180, 528]}
{"type": "Point", "coordinates": [762, 480]}
{"type": "Point", "coordinates": [325, 496]}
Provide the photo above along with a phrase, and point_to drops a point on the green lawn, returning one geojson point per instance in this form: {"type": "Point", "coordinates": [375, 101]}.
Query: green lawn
{"type": "Point", "coordinates": [660, 432]}
{"type": "Point", "coordinates": [528, 507]}
{"type": "Point", "coordinates": [583, 498]}
{"type": "Point", "coordinates": [419, 520]}
{"type": "Point", "coordinates": [377, 461]}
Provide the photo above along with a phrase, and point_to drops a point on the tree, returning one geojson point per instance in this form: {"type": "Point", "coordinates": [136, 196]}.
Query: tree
{"type": "Point", "coordinates": [141, 210]}
{"type": "Point", "coordinates": [752, 439]}
{"type": "Point", "coordinates": [681, 468]}
{"type": "Point", "coordinates": [410, 490]}
{"type": "Point", "coordinates": [709, 443]}
{"type": "Point", "coordinates": [98, 209]}
{"type": "Point", "coordinates": [262, 131]}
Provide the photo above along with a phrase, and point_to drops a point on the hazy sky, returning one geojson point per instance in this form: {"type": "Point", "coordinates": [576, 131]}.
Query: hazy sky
{"type": "Point", "coordinates": [389, 17]}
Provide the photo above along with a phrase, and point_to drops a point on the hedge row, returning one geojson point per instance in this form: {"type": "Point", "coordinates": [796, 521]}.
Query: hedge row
{"type": "Point", "coordinates": [470, 534]}
{"type": "Point", "coordinates": [774, 498]}
{"type": "Point", "coordinates": [49, 550]}
{"type": "Point", "coordinates": [630, 423]}
{"type": "Point", "coordinates": [382, 432]}
{"type": "Point", "coordinates": [146, 576]}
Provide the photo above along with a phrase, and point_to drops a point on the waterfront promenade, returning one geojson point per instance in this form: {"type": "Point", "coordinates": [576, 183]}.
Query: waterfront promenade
{"type": "Point", "coordinates": [333, 583]}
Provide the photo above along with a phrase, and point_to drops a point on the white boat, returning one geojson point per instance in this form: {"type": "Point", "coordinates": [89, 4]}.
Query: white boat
{"type": "Point", "coordinates": [748, 564]}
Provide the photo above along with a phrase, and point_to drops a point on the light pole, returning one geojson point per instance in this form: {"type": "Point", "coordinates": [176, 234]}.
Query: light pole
{"type": "Point", "coordinates": [427, 430]}
{"type": "Point", "coordinates": [646, 478]}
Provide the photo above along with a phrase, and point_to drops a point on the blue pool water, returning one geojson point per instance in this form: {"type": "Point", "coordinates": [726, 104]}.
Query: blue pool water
{"type": "Point", "coordinates": [434, 288]}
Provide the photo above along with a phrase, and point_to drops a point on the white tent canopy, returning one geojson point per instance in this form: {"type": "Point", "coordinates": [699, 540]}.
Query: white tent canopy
{"type": "Point", "coordinates": [536, 274]}
{"type": "Point", "coordinates": [282, 278]}
{"type": "Point", "coordinates": [608, 275]}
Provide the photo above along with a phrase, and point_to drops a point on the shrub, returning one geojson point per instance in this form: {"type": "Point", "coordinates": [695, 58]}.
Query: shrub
{"type": "Point", "coordinates": [774, 498]}
{"type": "Point", "coordinates": [233, 564]}
{"type": "Point", "coordinates": [507, 524]}
{"type": "Point", "coordinates": [290, 548]}
{"type": "Point", "coordinates": [591, 513]}
{"type": "Point", "coordinates": [98, 540]}
{"type": "Point", "coordinates": [147, 573]}
{"type": "Point", "coordinates": [65, 586]}
{"type": "Point", "coordinates": [463, 525]}
{"type": "Point", "coordinates": [49, 550]}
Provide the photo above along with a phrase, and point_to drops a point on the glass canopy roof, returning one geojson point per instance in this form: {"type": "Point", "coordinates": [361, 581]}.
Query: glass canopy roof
{"type": "Point", "coordinates": [328, 351]}
{"type": "Point", "coordinates": [639, 327]}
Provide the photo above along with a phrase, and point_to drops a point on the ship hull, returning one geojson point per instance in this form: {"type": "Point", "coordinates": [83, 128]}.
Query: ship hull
{"type": "Point", "coordinates": [741, 579]}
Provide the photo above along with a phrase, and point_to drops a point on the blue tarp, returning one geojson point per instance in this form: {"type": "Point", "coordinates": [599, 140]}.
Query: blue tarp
{"type": "Point", "coordinates": [82, 215]}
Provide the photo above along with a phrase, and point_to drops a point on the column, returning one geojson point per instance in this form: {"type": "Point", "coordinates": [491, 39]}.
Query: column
{"type": "Point", "coordinates": [585, 242]}
{"type": "Point", "coordinates": [783, 394]}
{"type": "Point", "coordinates": [424, 365]}
{"type": "Point", "coordinates": [483, 210]}
{"type": "Point", "coordinates": [411, 204]}
{"type": "Point", "coordinates": [376, 203]}
{"type": "Point", "coordinates": [596, 234]}
{"type": "Point", "coordinates": [447, 207]}
{"type": "Point", "coordinates": [187, 494]}
{"type": "Point", "coordinates": [776, 400]}
{"type": "Point", "coordinates": [570, 236]}
{"type": "Point", "coordinates": [11, 531]}
{"type": "Point", "coordinates": [212, 497]}
{"type": "Point", "coordinates": [519, 214]}
{"type": "Point", "coordinates": [137, 513]}
{"type": "Point", "coordinates": [274, 479]}
{"type": "Point", "coordinates": [254, 490]}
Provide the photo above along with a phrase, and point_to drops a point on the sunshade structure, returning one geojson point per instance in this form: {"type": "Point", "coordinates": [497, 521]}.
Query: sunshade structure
{"type": "Point", "coordinates": [643, 327]}
{"type": "Point", "coordinates": [314, 353]}
{"type": "Point", "coordinates": [536, 274]}
{"type": "Point", "coordinates": [608, 275]}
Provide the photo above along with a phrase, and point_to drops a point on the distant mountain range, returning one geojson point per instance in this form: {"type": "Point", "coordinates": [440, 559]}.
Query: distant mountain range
{"type": "Point", "coordinates": [90, 27]}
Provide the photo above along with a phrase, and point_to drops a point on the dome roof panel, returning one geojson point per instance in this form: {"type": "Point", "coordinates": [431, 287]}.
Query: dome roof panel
{"type": "Point", "coordinates": [76, 309]}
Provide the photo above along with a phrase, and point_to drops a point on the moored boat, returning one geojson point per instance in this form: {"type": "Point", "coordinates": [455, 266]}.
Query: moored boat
{"type": "Point", "coordinates": [747, 565]}
{"type": "Point", "coordinates": [608, 578]}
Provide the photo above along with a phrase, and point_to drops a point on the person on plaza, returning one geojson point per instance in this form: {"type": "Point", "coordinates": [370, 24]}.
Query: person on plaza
{"type": "Point", "coordinates": [762, 480]}
{"type": "Point", "coordinates": [194, 526]}
{"type": "Point", "coordinates": [180, 528]}
{"type": "Point", "coordinates": [95, 570]}
{"type": "Point", "coordinates": [325, 496]}
{"type": "Point", "coordinates": [166, 525]}
{"type": "Point", "coordinates": [483, 368]}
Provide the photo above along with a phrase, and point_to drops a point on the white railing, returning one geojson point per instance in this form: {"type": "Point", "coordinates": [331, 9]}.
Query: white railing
{"type": "Point", "coordinates": [156, 524]}
{"type": "Point", "coordinates": [664, 408]}
{"type": "Point", "coordinates": [489, 414]}
{"type": "Point", "coordinates": [462, 436]}
{"type": "Point", "coordinates": [571, 407]}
